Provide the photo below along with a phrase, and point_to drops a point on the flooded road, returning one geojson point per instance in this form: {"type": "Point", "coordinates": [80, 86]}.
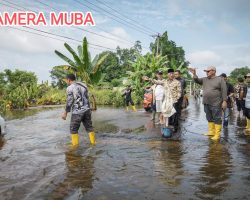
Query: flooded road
{"type": "Point", "coordinates": [130, 160]}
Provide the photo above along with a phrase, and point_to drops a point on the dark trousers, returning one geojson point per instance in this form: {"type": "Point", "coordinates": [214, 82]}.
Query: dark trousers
{"type": "Point", "coordinates": [240, 104]}
{"type": "Point", "coordinates": [174, 119]}
{"type": "Point", "coordinates": [247, 112]}
{"type": "Point", "coordinates": [179, 106]}
{"type": "Point", "coordinates": [129, 101]}
{"type": "Point", "coordinates": [213, 113]}
{"type": "Point", "coordinates": [77, 119]}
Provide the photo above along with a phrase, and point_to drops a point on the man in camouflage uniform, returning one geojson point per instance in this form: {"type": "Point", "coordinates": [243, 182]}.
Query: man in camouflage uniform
{"type": "Point", "coordinates": [238, 88]}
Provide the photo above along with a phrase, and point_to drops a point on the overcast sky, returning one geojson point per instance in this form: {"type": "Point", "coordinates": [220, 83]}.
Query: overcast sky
{"type": "Point", "coordinates": [211, 32]}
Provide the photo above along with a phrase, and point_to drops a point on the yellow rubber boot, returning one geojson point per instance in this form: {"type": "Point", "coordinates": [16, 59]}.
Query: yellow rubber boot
{"type": "Point", "coordinates": [134, 109]}
{"type": "Point", "coordinates": [211, 129]}
{"type": "Point", "coordinates": [92, 138]}
{"type": "Point", "coordinates": [75, 139]}
{"type": "Point", "coordinates": [248, 126]}
{"type": "Point", "coordinates": [217, 132]}
{"type": "Point", "coordinates": [127, 108]}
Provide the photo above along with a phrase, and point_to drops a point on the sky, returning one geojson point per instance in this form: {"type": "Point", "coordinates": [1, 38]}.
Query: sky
{"type": "Point", "coordinates": [211, 32]}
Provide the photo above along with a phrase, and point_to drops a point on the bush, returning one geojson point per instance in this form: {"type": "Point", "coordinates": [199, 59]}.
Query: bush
{"type": "Point", "coordinates": [17, 98]}
{"type": "Point", "coordinates": [107, 97]}
{"type": "Point", "coordinates": [3, 105]}
{"type": "Point", "coordinates": [116, 82]}
{"type": "Point", "coordinates": [52, 97]}
{"type": "Point", "coordinates": [137, 99]}
{"type": "Point", "coordinates": [112, 97]}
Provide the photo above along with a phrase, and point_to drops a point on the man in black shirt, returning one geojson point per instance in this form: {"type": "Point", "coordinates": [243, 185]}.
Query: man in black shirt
{"type": "Point", "coordinates": [178, 77]}
{"type": "Point", "coordinates": [128, 98]}
{"type": "Point", "coordinates": [230, 93]}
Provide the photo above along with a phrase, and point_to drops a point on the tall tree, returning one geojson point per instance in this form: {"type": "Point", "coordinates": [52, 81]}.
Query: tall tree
{"type": "Point", "coordinates": [18, 78]}
{"type": "Point", "coordinates": [237, 72]}
{"type": "Point", "coordinates": [110, 67]}
{"type": "Point", "coordinates": [85, 69]}
{"type": "Point", "coordinates": [145, 65]}
{"type": "Point", "coordinates": [176, 55]}
{"type": "Point", "coordinates": [58, 74]}
{"type": "Point", "coordinates": [126, 56]}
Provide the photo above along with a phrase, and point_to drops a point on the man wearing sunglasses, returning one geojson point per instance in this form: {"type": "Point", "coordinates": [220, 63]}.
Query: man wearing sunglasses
{"type": "Point", "coordinates": [214, 99]}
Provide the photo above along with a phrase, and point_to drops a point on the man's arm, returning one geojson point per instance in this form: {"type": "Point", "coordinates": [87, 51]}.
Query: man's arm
{"type": "Point", "coordinates": [231, 90]}
{"type": "Point", "coordinates": [195, 77]}
{"type": "Point", "coordinates": [198, 80]}
{"type": "Point", "coordinates": [178, 89]}
{"type": "Point", "coordinates": [70, 100]}
{"type": "Point", "coordinates": [69, 103]}
{"type": "Point", "coordinates": [158, 82]}
{"type": "Point", "coordinates": [224, 94]}
{"type": "Point", "coordinates": [124, 93]}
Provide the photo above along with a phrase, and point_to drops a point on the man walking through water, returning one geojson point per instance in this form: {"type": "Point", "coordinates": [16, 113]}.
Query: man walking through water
{"type": "Point", "coordinates": [214, 99]}
{"type": "Point", "coordinates": [178, 77]}
{"type": "Point", "coordinates": [172, 87]}
{"type": "Point", "coordinates": [78, 104]}
{"type": "Point", "coordinates": [230, 93]}
{"type": "Point", "coordinates": [238, 88]}
{"type": "Point", "coordinates": [128, 98]}
{"type": "Point", "coordinates": [158, 94]}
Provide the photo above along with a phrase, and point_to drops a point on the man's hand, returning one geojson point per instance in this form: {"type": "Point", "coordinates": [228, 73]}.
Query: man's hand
{"type": "Point", "coordinates": [224, 105]}
{"type": "Point", "coordinates": [192, 70]}
{"type": "Point", "coordinates": [145, 78]}
{"type": "Point", "coordinates": [64, 116]}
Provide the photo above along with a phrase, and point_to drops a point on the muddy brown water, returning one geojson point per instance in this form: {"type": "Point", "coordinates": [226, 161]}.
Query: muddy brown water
{"type": "Point", "coordinates": [130, 160]}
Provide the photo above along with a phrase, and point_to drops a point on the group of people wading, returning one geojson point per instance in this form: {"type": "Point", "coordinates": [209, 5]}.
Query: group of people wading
{"type": "Point", "coordinates": [218, 98]}
{"type": "Point", "coordinates": [168, 95]}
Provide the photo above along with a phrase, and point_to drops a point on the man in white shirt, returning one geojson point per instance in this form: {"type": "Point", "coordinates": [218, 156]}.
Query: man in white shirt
{"type": "Point", "coordinates": [158, 96]}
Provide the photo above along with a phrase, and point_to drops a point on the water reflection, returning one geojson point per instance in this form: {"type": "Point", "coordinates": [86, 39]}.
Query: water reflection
{"type": "Point", "coordinates": [20, 114]}
{"type": "Point", "coordinates": [2, 142]}
{"type": "Point", "coordinates": [170, 163]}
{"type": "Point", "coordinates": [225, 132]}
{"type": "Point", "coordinates": [78, 178]}
{"type": "Point", "coordinates": [215, 173]}
{"type": "Point", "coordinates": [244, 152]}
{"type": "Point", "coordinates": [241, 122]}
{"type": "Point", "coordinates": [133, 163]}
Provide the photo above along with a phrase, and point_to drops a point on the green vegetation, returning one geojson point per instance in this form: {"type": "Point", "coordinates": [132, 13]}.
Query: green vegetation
{"type": "Point", "coordinates": [238, 72]}
{"type": "Point", "coordinates": [85, 70]}
{"type": "Point", "coordinates": [106, 75]}
{"type": "Point", "coordinates": [19, 90]}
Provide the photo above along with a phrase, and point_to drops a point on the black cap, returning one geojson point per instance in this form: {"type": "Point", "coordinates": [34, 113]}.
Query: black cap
{"type": "Point", "coordinates": [223, 75]}
{"type": "Point", "coordinates": [170, 70]}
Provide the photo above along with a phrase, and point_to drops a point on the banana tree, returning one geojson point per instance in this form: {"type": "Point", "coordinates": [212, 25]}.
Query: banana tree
{"type": "Point", "coordinates": [183, 69]}
{"type": "Point", "coordinates": [145, 65]}
{"type": "Point", "coordinates": [85, 69]}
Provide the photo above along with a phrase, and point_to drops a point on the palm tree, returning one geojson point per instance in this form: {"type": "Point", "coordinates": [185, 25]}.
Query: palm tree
{"type": "Point", "coordinates": [85, 69]}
